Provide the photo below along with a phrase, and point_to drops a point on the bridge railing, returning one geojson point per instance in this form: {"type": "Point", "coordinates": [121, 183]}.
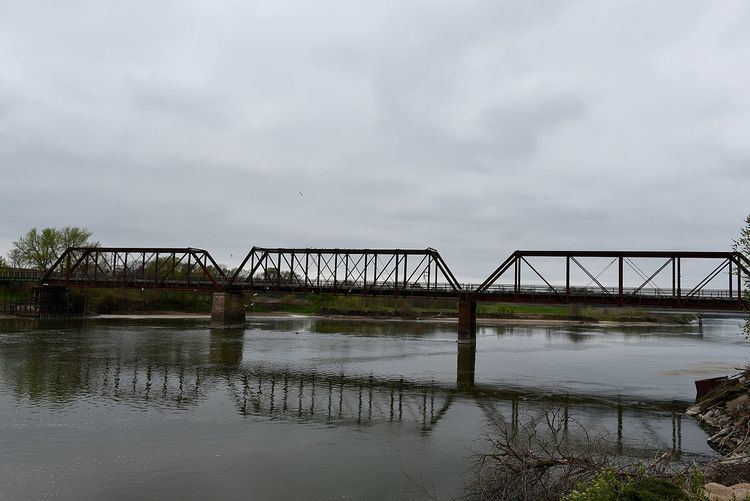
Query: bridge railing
{"type": "Point", "coordinates": [20, 274]}
{"type": "Point", "coordinates": [510, 289]}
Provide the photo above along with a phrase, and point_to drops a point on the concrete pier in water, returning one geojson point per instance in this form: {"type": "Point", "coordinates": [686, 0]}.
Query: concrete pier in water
{"type": "Point", "coordinates": [467, 321]}
{"type": "Point", "coordinates": [228, 311]}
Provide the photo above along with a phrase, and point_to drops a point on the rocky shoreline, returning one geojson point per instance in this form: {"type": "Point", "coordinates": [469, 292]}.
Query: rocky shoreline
{"type": "Point", "coordinates": [725, 413]}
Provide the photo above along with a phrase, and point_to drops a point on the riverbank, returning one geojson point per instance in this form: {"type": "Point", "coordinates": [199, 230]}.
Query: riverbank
{"type": "Point", "coordinates": [153, 302]}
{"type": "Point", "coordinates": [725, 413]}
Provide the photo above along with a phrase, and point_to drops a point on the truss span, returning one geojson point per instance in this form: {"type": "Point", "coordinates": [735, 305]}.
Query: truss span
{"type": "Point", "coordinates": [645, 278]}
{"type": "Point", "coordinates": [401, 272]}
{"type": "Point", "coordinates": [167, 268]}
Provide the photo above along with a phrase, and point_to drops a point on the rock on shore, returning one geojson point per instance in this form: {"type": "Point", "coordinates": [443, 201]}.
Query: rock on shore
{"type": "Point", "coordinates": [725, 412]}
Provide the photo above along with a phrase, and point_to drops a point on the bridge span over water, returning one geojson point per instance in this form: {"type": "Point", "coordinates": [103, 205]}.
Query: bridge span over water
{"type": "Point", "coordinates": [664, 279]}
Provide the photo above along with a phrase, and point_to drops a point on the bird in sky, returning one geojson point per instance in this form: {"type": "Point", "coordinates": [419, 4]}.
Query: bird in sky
{"type": "Point", "coordinates": [300, 194]}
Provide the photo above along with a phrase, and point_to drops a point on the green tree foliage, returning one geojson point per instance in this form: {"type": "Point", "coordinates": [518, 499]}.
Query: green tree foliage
{"type": "Point", "coordinates": [3, 264]}
{"type": "Point", "coordinates": [742, 244]}
{"type": "Point", "coordinates": [39, 249]}
{"type": "Point", "coordinates": [610, 485]}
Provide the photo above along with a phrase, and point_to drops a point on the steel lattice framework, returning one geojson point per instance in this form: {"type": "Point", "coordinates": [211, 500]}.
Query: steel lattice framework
{"type": "Point", "coordinates": [403, 272]}
{"type": "Point", "coordinates": [134, 267]}
{"type": "Point", "coordinates": [648, 292]}
{"type": "Point", "coordinates": [416, 272]}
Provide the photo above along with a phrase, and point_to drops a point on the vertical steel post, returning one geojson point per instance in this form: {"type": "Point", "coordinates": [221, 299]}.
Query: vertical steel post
{"type": "Point", "coordinates": [395, 286]}
{"type": "Point", "coordinates": [679, 279]}
{"type": "Point", "coordinates": [307, 269]}
{"type": "Point", "coordinates": [346, 269]}
{"type": "Point", "coordinates": [278, 270]}
{"type": "Point", "coordinates": [520, 265]}
{"type": "Point", "coordinates": [252, 268]}
{"type": "Point", "coordinates": [730, 278]}
{"type": "Point", "coordinates": [291, 270]}
{"type": "Point", "coordinates": [620, 284]}
{"type": "Point", "coordinates": [189, 268]}
{"type": "Point", "coordinates": [429, 264]}
{"type": "Point", "coordinates": [406, 272]}
{"type": "Point", "coordinates": [335, 267]}
{"type": "Point", "coordinates": [567, 277]}
{"type": "Point", "coordinates": [436, 273]}
{"type": "Point", "coordinates": [674, 277]}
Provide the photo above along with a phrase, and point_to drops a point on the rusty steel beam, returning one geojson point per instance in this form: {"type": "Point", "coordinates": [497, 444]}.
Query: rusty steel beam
{"type": "Point", "coordinates": [167, 268]}
{"type": "Point", "coordinates": [346, 271]}
{"type": "Point", "coordinates": [402, 272]}
{"type": "Point", "coordinates": [515, 290]}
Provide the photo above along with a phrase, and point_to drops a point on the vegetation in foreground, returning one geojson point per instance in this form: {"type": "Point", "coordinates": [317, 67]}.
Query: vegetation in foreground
{"type": "Point", "coordinates": [549, 457]}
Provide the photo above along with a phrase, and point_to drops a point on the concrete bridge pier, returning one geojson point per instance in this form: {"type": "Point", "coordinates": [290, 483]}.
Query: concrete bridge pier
{"type": "Point", "coordinates": [228, 311]}
{"type": "Point", "coordinates": [467, 321]}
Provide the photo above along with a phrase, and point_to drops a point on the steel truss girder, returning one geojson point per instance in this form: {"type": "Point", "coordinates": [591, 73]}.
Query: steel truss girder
{"type": "Point", "coordinates": [171, 268]}
{"type": "Point", "coordinates": [731, 298]}
{"type": "Point", "coordinates": [400, 272]}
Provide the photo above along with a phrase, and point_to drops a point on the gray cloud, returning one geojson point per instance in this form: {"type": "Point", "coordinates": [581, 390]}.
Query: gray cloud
{"type": "Point", "coordinates": [474, 127]}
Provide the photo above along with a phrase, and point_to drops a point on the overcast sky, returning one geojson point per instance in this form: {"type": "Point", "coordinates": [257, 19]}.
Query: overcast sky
{"type": "Point", "coordinates": [473, 127]}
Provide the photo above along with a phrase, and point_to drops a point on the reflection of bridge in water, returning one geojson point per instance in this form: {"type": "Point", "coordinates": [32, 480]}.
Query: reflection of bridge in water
{"type": "Point", "coordinates": [184, 379]}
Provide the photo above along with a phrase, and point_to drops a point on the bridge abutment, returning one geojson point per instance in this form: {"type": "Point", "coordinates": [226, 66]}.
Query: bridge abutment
{"type": "Point", "coordinates": [55, 302]}
{"type": "Point", "coordinates": [228, 311]}
{"type": "Point", "coordinates": [467, 321]}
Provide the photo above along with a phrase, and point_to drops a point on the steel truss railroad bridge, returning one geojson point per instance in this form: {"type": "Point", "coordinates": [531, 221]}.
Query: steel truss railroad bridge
{"type": "Point", "coordinates": [644, 279]}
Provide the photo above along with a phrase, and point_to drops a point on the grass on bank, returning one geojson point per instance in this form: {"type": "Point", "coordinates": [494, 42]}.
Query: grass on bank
{"type": "Point", "coordinates": [547, 455]}
{"type": "Point", "coordinates": [426, 308]}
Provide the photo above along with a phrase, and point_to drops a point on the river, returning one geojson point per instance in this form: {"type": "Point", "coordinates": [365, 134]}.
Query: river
{"type": "Point", "coordinates": [307, 408]}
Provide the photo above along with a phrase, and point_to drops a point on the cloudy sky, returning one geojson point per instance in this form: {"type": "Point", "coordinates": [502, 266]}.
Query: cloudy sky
{"type": "Point", "coordinates": [475, 127]}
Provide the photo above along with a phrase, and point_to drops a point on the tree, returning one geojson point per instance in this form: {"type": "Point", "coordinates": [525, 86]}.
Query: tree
{"type": "Point", "coordinates": [40, 249]}
{"type": "Point", "coordinates": [742, 245]}
{"type": "Point", "coordinates": [3, 264]}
